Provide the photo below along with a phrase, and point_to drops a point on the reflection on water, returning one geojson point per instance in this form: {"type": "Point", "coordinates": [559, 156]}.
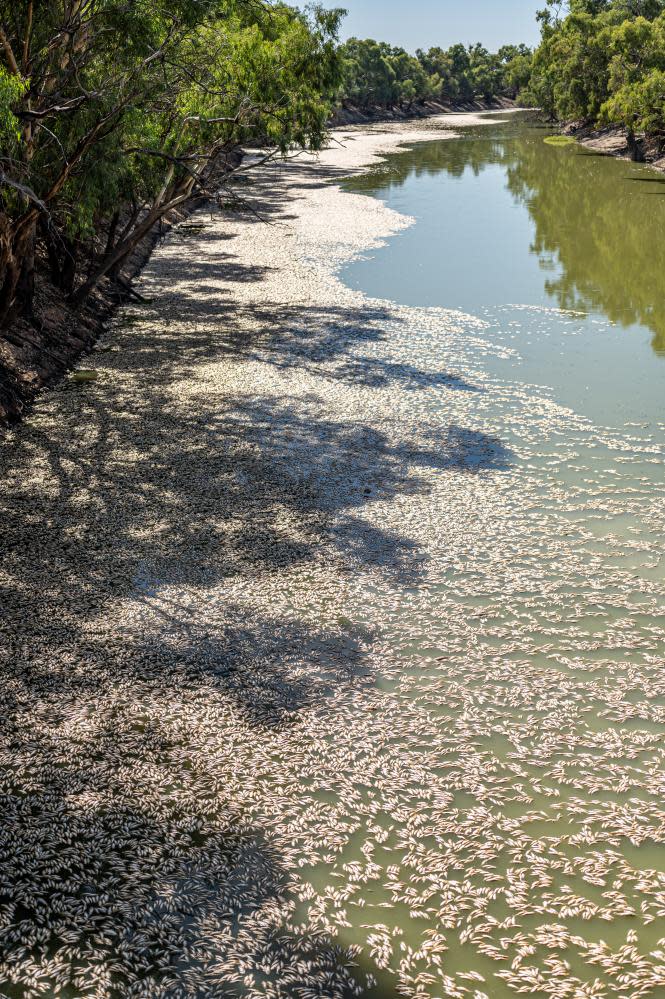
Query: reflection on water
{"type": "Point", "coordinates": [528, 684]}
{"type": "Point", "coordinates": [597, 223]}
{"type": "Point", "coordinates": [513, 229]}
{"type": "Point", "coordinates": [600, 223]}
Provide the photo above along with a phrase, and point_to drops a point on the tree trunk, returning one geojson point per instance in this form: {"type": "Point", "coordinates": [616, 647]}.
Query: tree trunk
{"type": "Point", "coordinates": [112, 231]}
{"type": "Point", "coordinates": [636, 151]}
{"type": "Point", "coordinates": [69, 265]}
{"type": "Point", "coordinates": [51, 250]}
{"type": "Point", "coordinates": [18, 280]}
{"type": "Point", "coordinates": [62, 256]}
{"type": "Point", "coordinates": [25, 286]}
{"type": "Point", "coordinates": [125, 246]}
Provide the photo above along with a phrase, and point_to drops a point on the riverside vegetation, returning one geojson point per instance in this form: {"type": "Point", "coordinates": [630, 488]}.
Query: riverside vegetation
{"type": "Point", "coordinates": [603, 62]}
{"type": "Point", "coordinates": [115, 115]}
{"type": "Point", "coordinates": [112, 114]}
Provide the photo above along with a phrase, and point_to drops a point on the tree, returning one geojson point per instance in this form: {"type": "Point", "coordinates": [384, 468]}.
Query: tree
{"type": "Point", "coordinates": [637, 78]}
{"type": "Point", "coordinates": [601, 62]}
{"type": "Point", "coordinates": [136, 105]}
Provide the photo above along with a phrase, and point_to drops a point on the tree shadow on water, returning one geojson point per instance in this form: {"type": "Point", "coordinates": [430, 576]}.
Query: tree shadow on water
{"type": "Point", "coordinates": [319, 339]}
{"type": "Point", "coordinates": [129, 862]}
{"type": "Point", "coordinates": [198, 496]}
{"type": "Point", "coordinates": [131, 905]}
{"type": "Point", "coordinates": [144, 530]}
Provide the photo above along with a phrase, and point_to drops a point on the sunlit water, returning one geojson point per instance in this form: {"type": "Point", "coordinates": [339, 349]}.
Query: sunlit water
{"type": "Point", "coordinates": [370, 697]}
{"type": "Point", "coordinates": [542, 653]}
{"type": "Point", "coordinates": [561, 250]}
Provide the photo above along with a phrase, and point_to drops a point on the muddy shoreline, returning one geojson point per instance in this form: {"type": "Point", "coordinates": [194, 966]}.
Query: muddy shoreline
{"type": "Point", "coordinates": [613, 141]}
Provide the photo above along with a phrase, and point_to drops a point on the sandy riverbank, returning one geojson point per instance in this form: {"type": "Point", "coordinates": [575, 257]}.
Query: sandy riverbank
{"type": "Point", "coordinates": [226, 771]}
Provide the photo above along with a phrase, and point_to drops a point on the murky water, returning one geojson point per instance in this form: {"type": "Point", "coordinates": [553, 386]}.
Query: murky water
{"type": "Point", "coordinates": [561, 250]}
{"type": "Point", "coordinates": [540, 649]}
{"type": "Point", "coordinates": [336, 626]}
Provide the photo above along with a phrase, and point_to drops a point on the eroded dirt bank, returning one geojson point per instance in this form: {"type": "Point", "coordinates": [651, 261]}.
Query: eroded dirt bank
{"type": "Point", "coordinates": [613, 140]}
{"type": "Point", "coordinates": [37, 352]}
{"type": "Point", "coordinates": [351, 114]}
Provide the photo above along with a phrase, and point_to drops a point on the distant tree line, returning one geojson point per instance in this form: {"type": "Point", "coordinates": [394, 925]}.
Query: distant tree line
{"type": "Point", "coordinates": [602, 61]}
{"type": "Point", "coordinates": [375, 74]}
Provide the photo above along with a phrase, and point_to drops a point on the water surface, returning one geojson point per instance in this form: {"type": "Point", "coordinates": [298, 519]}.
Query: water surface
{"type": "Point", "coordinates": [534, 644]}
{"type": "Point", "coordinates": [339, 624]}
{"type": "Point", "coordinates": [560, 249]}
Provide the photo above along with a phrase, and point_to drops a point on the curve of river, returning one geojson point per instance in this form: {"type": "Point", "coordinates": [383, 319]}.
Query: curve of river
{"type": "Point", "coordinates": [333, 609]}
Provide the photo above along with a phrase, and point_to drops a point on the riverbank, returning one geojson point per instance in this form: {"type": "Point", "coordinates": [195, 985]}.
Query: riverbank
{"type": "Point", "coordinates": [308, 683]}
{"type": "Point", "coordinates": [175, 719]}
{"type": "Point", "coordinates": [36, 353]}
{"type": "Point", "coordinates": [613, 141]}
{"type": "Point", "coordinates": [351, 114]}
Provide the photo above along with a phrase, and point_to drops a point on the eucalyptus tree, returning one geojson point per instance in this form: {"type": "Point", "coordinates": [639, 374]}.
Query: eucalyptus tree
{"type": "Point", "coordinates": [113, 112]}
{"type": "Point", "coordinates": [602, 61]}
{"type": "Point", "coordinates": [375, 73]}
{"type": "Point", "coordinates": [637, 77]}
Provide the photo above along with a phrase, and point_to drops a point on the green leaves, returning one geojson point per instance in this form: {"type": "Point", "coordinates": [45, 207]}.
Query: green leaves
{"type": "Point", "coordinates": [12, 88]}
{"type": "Point", "coordinates": [640, 105]}
{"type": "Point", "coordinates": [380, 74]}
{"type": "Point", "coordinates": [603, 62]}
{"type": "Point", "coordinates": [108, 106]}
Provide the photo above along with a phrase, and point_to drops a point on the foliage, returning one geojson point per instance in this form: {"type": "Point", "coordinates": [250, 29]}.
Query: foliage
{"type": "Point", "coordinates": [12, 89]}
{"type": "Point", "coordinates": [110, 109]}
{"type": "Point", "coordinates": [375, 73]}
{"type": "Point", "coordinates": [640, 105]}
{"type": "Point", "coordinates": [114, 113]}
{"type": "Point", "coordinates": [604, 61]}
{"type": "Point", "coordinates": [637, 76]}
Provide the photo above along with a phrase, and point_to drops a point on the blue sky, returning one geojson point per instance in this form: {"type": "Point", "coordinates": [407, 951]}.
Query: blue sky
{"type": "Point", "coordinates": [422, 23]}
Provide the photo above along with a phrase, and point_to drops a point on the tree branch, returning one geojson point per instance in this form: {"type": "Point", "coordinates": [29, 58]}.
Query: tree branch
{"type": "Point", "coordinates": [23, 189]}
{"type": "Point", "coordinates": [28, 37]}
{"type": "Point", "coordinates": [9, 53]}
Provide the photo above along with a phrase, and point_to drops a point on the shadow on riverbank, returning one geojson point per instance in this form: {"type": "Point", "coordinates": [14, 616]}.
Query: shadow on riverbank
{"type": "Point", "coordinates": [136, 511]}
{"type": "Point", "coordinates": [123, 494]}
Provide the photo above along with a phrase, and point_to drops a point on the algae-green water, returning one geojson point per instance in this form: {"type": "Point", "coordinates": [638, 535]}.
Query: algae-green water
{"type": "Point", "coordinates": [560, 249]}
{"type": "Point", "coordinates": [382, 711]}
{"type": "Point", "coordinates": [531, 657]}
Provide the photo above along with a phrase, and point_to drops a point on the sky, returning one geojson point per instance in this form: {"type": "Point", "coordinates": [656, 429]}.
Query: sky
{"type": "Point", "coordinates": [423, 23]}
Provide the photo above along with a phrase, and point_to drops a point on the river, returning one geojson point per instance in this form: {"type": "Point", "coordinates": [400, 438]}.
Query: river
{"type": "Point", "coordinates": [334, 608]}
{"type": "Point", "coordinates": [559, 254]}
{"type": "Point", "coordinates": [558, 249]}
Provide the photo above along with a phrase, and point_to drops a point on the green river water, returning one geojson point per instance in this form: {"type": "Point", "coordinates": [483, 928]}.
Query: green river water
{"type": "Point", "coordinates": [337, 628]}
{"type": "Point", "coordinates": [507, 223]}
{"type": "Point", "coordinates": [559, 254]}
